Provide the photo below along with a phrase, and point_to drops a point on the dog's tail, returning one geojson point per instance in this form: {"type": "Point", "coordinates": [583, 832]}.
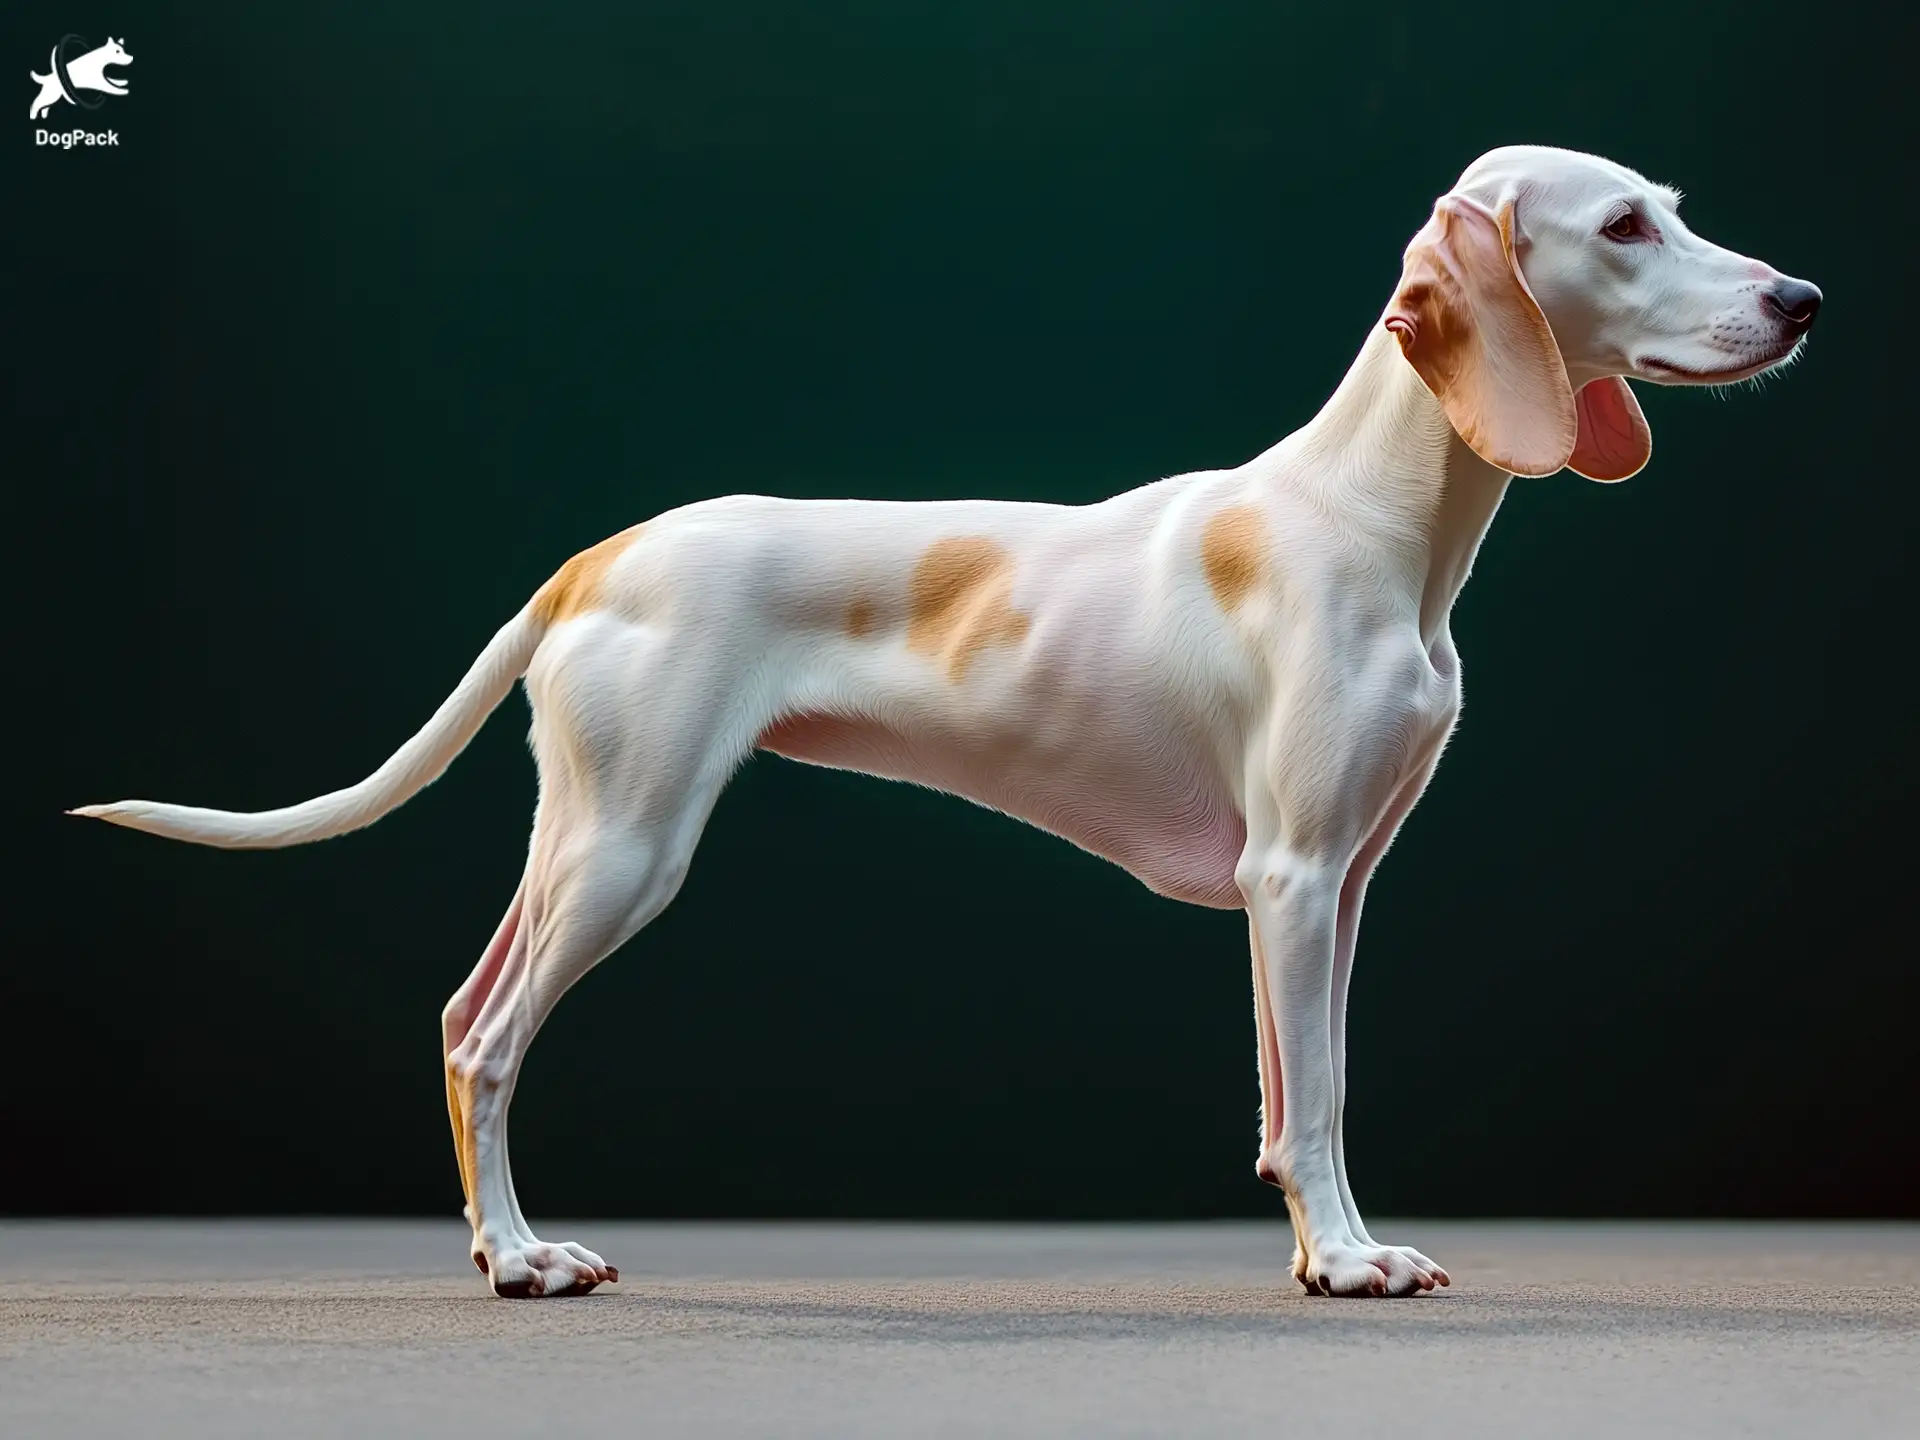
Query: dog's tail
{"type": "Point", "coordinates": [410, 769]}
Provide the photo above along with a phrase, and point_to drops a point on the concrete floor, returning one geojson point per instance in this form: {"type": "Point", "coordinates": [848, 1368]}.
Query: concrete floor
{"type": "Point", "coordinates": [375, 1329]}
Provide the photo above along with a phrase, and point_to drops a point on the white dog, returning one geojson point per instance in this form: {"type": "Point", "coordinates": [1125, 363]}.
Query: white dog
{"type": "Point", "coordinates": [1234, 683]}
{"type": "Point", "coordinates": [87, 72]}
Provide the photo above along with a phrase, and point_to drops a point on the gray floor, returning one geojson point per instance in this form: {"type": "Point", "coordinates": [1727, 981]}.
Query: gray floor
{"type": "Point", "coordinates": [288, 1330]}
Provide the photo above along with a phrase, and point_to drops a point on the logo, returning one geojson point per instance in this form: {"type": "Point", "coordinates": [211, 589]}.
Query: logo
{"type": "Point", "coordinates": [78, 77]}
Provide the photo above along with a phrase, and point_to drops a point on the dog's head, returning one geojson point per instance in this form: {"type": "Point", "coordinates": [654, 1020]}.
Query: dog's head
{"type": "Point", "coordinates": [1545, 277]}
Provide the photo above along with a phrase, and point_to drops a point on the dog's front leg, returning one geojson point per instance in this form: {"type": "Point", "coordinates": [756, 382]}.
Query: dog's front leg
{"type": "Point", "coordinates": [1272, 1110]}
{"type": "Point", "coordinates": [1353, 894]}
{"type": "Point", "coordinates": [1293, 901]}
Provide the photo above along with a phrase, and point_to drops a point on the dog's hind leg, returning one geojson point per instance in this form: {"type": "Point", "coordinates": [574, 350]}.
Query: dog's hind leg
{"type": "Point", "coordinates": [457, 1020]}
{"type": "Point", "coordinates": [599, 888]}
{"type": "Point", "coordinates": [630, 766]}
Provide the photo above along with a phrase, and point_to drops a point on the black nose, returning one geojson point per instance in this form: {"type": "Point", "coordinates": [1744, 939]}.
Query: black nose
{"type": "Point", "coordinates": [1796, 302]}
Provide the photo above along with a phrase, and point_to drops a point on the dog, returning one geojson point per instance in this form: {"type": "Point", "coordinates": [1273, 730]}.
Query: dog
{"type": "Point", "coordinates": [1233, 683]}
{"type": "Point", "coordinates": [87, 72]}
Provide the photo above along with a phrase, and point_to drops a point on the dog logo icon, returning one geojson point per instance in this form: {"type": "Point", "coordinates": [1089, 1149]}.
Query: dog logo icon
{"type": "Point", "coordinates": [74, 74]}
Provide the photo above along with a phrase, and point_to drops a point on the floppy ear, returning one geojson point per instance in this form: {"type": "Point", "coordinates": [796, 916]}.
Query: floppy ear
{"type": "Point", "coordinates": [1469, 325]}
{"type": "Point", "coordinates": [1615, 440]}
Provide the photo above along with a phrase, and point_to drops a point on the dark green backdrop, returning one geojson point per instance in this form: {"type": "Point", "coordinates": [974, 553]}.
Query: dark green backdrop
{"type": "Point", "coordinates": [379, 312]}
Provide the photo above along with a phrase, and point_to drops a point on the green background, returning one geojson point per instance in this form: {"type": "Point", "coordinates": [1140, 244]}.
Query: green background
{"type": "Point", "coordinates": [377, 313]}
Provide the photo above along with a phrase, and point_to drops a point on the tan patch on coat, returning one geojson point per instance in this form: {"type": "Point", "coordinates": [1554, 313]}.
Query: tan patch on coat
{"type": "Point", "coordinates": [960, 601]}
{"type": "Point", "coordinates": [1233, 553]}
{"type": "Point", "coordinates": [463, 1147]}
{"type": "Point", "coordinates": [860, 617]}
{"type": "Point", "coordinates": [575, 586]}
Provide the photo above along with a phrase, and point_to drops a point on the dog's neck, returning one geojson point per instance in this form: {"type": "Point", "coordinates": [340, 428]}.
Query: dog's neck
{"type": "Point", "coordinates": [1382, 458]}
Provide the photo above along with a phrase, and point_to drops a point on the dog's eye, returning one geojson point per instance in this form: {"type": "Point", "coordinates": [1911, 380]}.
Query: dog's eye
{"type": "Point", "coordinates": [1624, 226]}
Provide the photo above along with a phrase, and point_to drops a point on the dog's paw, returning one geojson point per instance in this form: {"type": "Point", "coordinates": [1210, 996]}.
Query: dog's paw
{"type": "Point", "coordinates": [1363, 1270]}
{"type": "Point", "coordinates": [535, 1270]}
{"type": "Point", "coordinates": [1420, 1262]}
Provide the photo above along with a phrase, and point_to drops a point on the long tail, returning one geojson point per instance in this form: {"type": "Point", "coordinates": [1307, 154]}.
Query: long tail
{"type": "Point", "coordinates": [410, 769]}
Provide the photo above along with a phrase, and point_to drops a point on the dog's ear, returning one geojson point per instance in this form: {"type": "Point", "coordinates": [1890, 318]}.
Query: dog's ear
{"type": "Point", "coordinates": [1471, 328]}
{"type": "Point", "coordinates": [1615, 440]}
